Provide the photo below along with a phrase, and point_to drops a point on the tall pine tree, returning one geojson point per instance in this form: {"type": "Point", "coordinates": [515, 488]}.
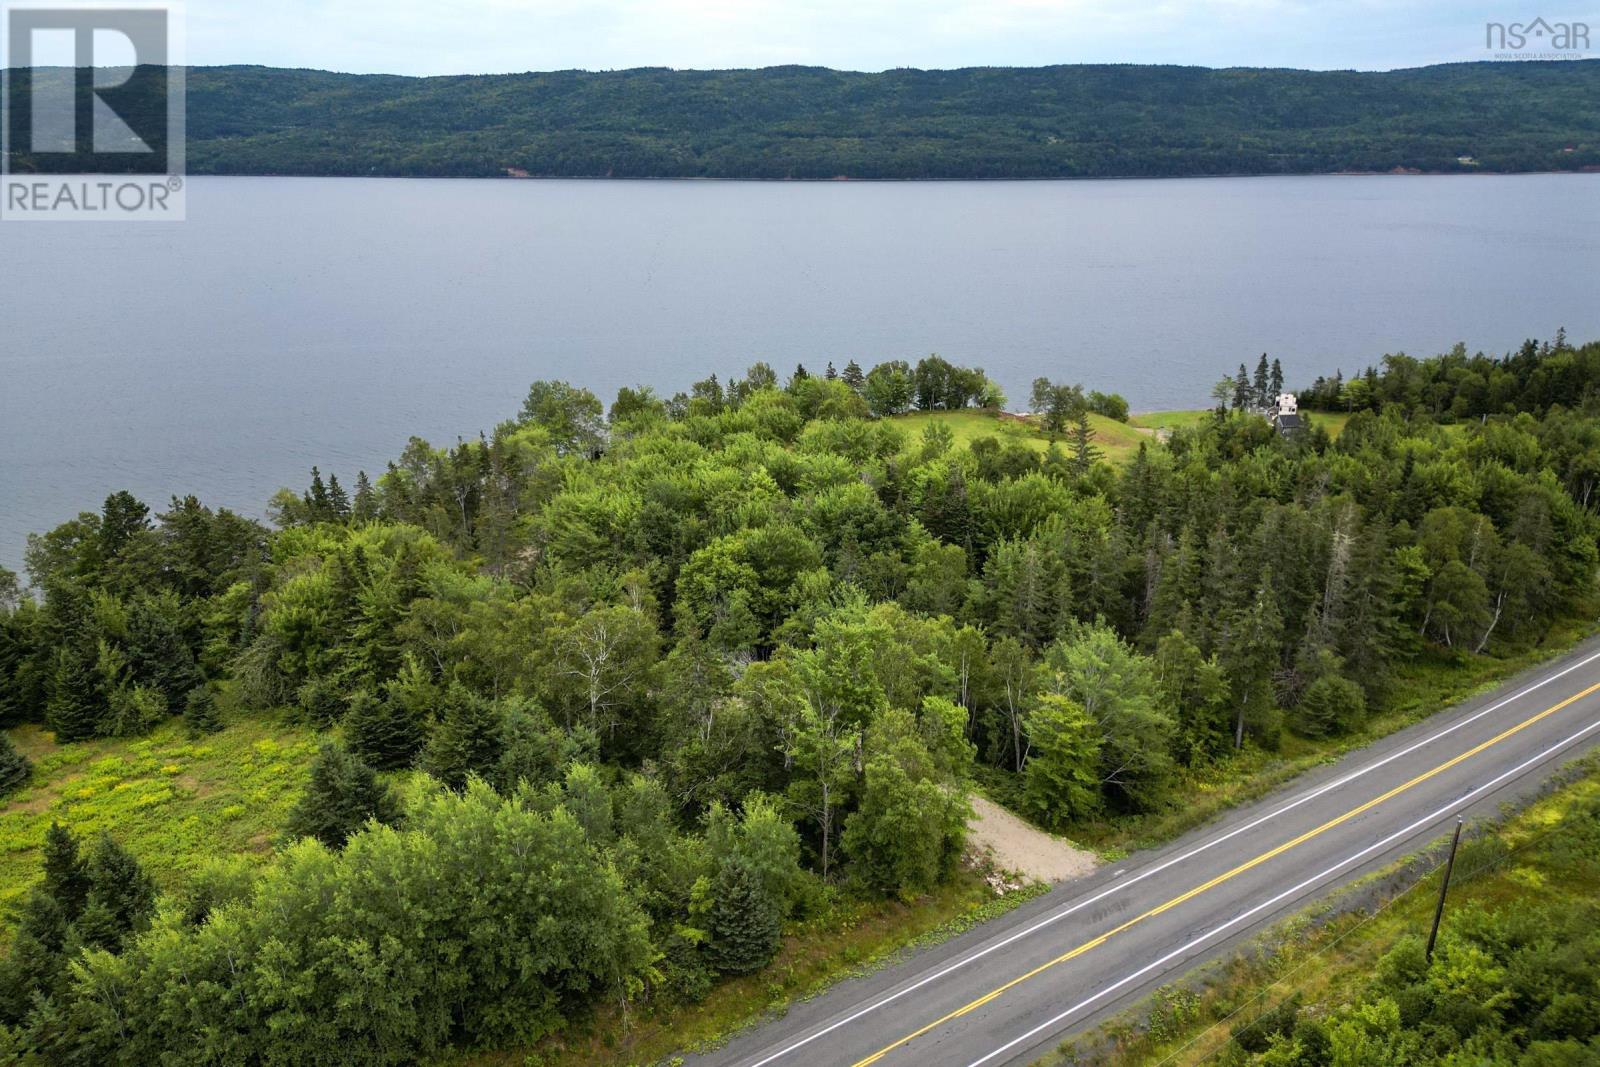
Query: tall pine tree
{"type": "Point", "coordinates": [342, 795]}
{"type": "Point", "coordinates": [468, 740]}
{"type": "Point", "coordinates": [121, 900]}
{"type": "Point", "coordinates": [745, 923]}
{"type": "Point", "coordinates": [66, 874]}
{"type": "Point", "coordinates": [14, 767]}
{"type": "Point", "coordinates": [75, 707]}
{"type": "Point", "coordinates": [387, 734]}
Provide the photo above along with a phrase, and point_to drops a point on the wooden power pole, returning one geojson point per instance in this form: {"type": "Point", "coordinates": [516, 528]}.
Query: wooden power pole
{"type": "Point", "coordinates": [1444, 886]}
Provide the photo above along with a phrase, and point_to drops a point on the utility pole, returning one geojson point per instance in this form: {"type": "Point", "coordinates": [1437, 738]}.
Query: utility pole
{"type": "Point", "coordinates": [1444, 886]}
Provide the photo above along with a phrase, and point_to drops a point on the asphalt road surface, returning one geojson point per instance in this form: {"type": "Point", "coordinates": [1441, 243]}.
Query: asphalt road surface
{"type": "Point", "coordinates": [1010, 990]}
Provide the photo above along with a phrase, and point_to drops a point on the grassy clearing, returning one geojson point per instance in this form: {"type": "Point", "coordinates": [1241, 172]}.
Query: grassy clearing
{"type": "Point", "coordinates": [853, 938]}
{"type": "Point", "coordinates": [1332, 421]}
{"type": "Point", "coordinates": [1330, 962]}
{"type": "Point", "coordinates": [1117, 440]}
{"type": "Point", "coordinates": [968, 425]}
{"type": "Point", "coordinates": [1170, 420]}
{"type": "Point", "coordinates": [172, 801]}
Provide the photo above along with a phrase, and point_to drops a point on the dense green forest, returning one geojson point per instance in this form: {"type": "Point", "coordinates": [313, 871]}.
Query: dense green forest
{"type": "Point", "coordinates": [613, 696]}
{"type": "Point", "coordinates": [811, 122]}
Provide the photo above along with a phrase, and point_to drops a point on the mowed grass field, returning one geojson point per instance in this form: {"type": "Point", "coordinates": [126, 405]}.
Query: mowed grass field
{"type": "Point", "coordinates": [173, 801]}
{"type": "Point", "coordinates": [1118, 441]}
{"type": "Point", "coordinates": [1332, 421]}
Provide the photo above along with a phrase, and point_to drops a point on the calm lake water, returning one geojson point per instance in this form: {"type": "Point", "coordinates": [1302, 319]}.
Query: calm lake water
{"type": "Point", "coordinates": [298, 321]}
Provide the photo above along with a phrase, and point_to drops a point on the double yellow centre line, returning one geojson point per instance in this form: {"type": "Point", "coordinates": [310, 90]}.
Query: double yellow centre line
{"type": "Point", "coordinates": [1228, 875]}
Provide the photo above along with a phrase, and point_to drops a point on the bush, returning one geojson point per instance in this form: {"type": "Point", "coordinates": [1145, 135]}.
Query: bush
{"type": "Point", "coordinates": [200, 712]}
{"type": "Point", "coordinates": [1111, 405]}
{"type": "Point", "coordinates": [1331, 705]}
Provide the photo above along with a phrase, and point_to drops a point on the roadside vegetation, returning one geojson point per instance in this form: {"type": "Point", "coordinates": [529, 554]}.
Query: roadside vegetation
{"type": "Point", "coordinates": [1512, 980]}
{"type": "Point", "coordinates": [675, 678]}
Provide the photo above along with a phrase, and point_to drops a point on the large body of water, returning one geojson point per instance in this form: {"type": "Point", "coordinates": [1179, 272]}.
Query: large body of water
{"type": "Point", "coordinates": [297, 321]}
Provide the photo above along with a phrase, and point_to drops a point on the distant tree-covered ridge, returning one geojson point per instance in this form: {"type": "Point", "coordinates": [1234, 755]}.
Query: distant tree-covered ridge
{"type": "Point", "coordinates": [1079, 121]}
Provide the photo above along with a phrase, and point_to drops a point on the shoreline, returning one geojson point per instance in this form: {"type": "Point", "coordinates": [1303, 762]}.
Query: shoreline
{"type": "Point", "coordinates": [1588, 170]}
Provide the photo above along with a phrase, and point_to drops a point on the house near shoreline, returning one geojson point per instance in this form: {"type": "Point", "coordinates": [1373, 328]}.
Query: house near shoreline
{"type": "Point", "coordinates": [1285, 418]}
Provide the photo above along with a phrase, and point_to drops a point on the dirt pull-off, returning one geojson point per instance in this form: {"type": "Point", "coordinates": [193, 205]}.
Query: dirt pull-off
{"type": "Point", "coordinates": [1016, 846]}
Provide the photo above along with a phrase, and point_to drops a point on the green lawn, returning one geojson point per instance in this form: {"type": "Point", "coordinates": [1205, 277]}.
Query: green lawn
{"type": "Point", "coordinates": [172, 801]}
{"type": "Point", "coordinates": [1169, 420]}
{"type": "Point", "coordinates": [1333, 421]}
{"type": "Point", "coordinates": [1118, 441]}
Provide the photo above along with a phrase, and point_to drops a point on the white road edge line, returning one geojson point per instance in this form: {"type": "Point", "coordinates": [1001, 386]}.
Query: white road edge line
{"type": "Point", "coordinates": [1398, 835]}
{"type": "Point", "coordinates": [1164, 865]}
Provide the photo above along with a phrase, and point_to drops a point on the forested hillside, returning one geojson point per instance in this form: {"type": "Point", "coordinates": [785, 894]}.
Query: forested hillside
{"type": "Point", "coordinates": [612, 698]}
{"type": "Point", "coordinates": [810, 122]}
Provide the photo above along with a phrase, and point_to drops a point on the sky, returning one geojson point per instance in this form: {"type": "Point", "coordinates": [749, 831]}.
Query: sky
{"type": "Point", "coordinates": [500, 36]}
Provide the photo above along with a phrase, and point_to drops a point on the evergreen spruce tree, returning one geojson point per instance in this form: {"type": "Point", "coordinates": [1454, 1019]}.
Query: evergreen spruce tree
{"type": "Point", "coordinates": [1084, 453]}
{"type": "Point", "coordinates": [1261, 381]}
{"type": "Point", "coordinates": [66, 874]}
{"type": "Point", "coordinates": [1275, 379]}
{"type": "Point", "coordinates": [342, 795]}
{"type": "Point", "coordinates": [800, 373]}
{"type": "Point", "coordinates": [157, 652]}
{"type": "Point", "coordinates": [745, 925]}
{"type": "Point", "coordinates": [14, 767]}
{"type": "Point", "coordinates": [200, 712]}
{"type": "Point", "coordinates": [468, 740]}
{"type": "Point", "coordinates": [387, 734]}
{"type": "Point", "coordinates": [36, 963]}
{"type": "Point", "coordinates": [121, 901]}
{"type": "Point", "coordinates": [316, 499]}
{"type": "Point", "coordinates": [1241, 389]}
{"type": "Point", "coordinates": [74, 708]}
{"type": "Point", "coordinates": [365, 506]}
{"type": "Point", "coordinates": [830, 373]}
{"type": "Point", "coordinates": [121, 518]}
{"type": "Point", "coordinates": [853, 376]}
{"type": "Point", "coordinates": [338, 500]}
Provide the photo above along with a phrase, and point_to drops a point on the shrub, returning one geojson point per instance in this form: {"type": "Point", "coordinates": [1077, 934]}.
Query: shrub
{"type": "Point", "coordinates": [1331, 705]}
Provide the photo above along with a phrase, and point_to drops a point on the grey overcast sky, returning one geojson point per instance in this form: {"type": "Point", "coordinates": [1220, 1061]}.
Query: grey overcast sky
{"type": "Point", "coordinates": [491, 36]}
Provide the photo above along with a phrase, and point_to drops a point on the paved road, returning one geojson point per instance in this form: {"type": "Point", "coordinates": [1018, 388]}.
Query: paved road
{"type": "Point", "coordinates": [1009, 990]}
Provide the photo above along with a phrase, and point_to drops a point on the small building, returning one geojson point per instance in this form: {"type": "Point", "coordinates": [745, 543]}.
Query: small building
{"type": "Point", "coordinates": [1285, 418]}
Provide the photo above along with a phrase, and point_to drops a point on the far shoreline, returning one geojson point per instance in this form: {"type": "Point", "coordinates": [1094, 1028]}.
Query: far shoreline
{"type": "Point", "coordinates": [1586, 171]}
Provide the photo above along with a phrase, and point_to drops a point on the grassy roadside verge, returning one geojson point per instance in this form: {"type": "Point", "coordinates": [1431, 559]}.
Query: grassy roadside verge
{"type": "Point", "coordinates": [852, 939]}
{"type": "Point", "coordinates": [1326, 956]}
